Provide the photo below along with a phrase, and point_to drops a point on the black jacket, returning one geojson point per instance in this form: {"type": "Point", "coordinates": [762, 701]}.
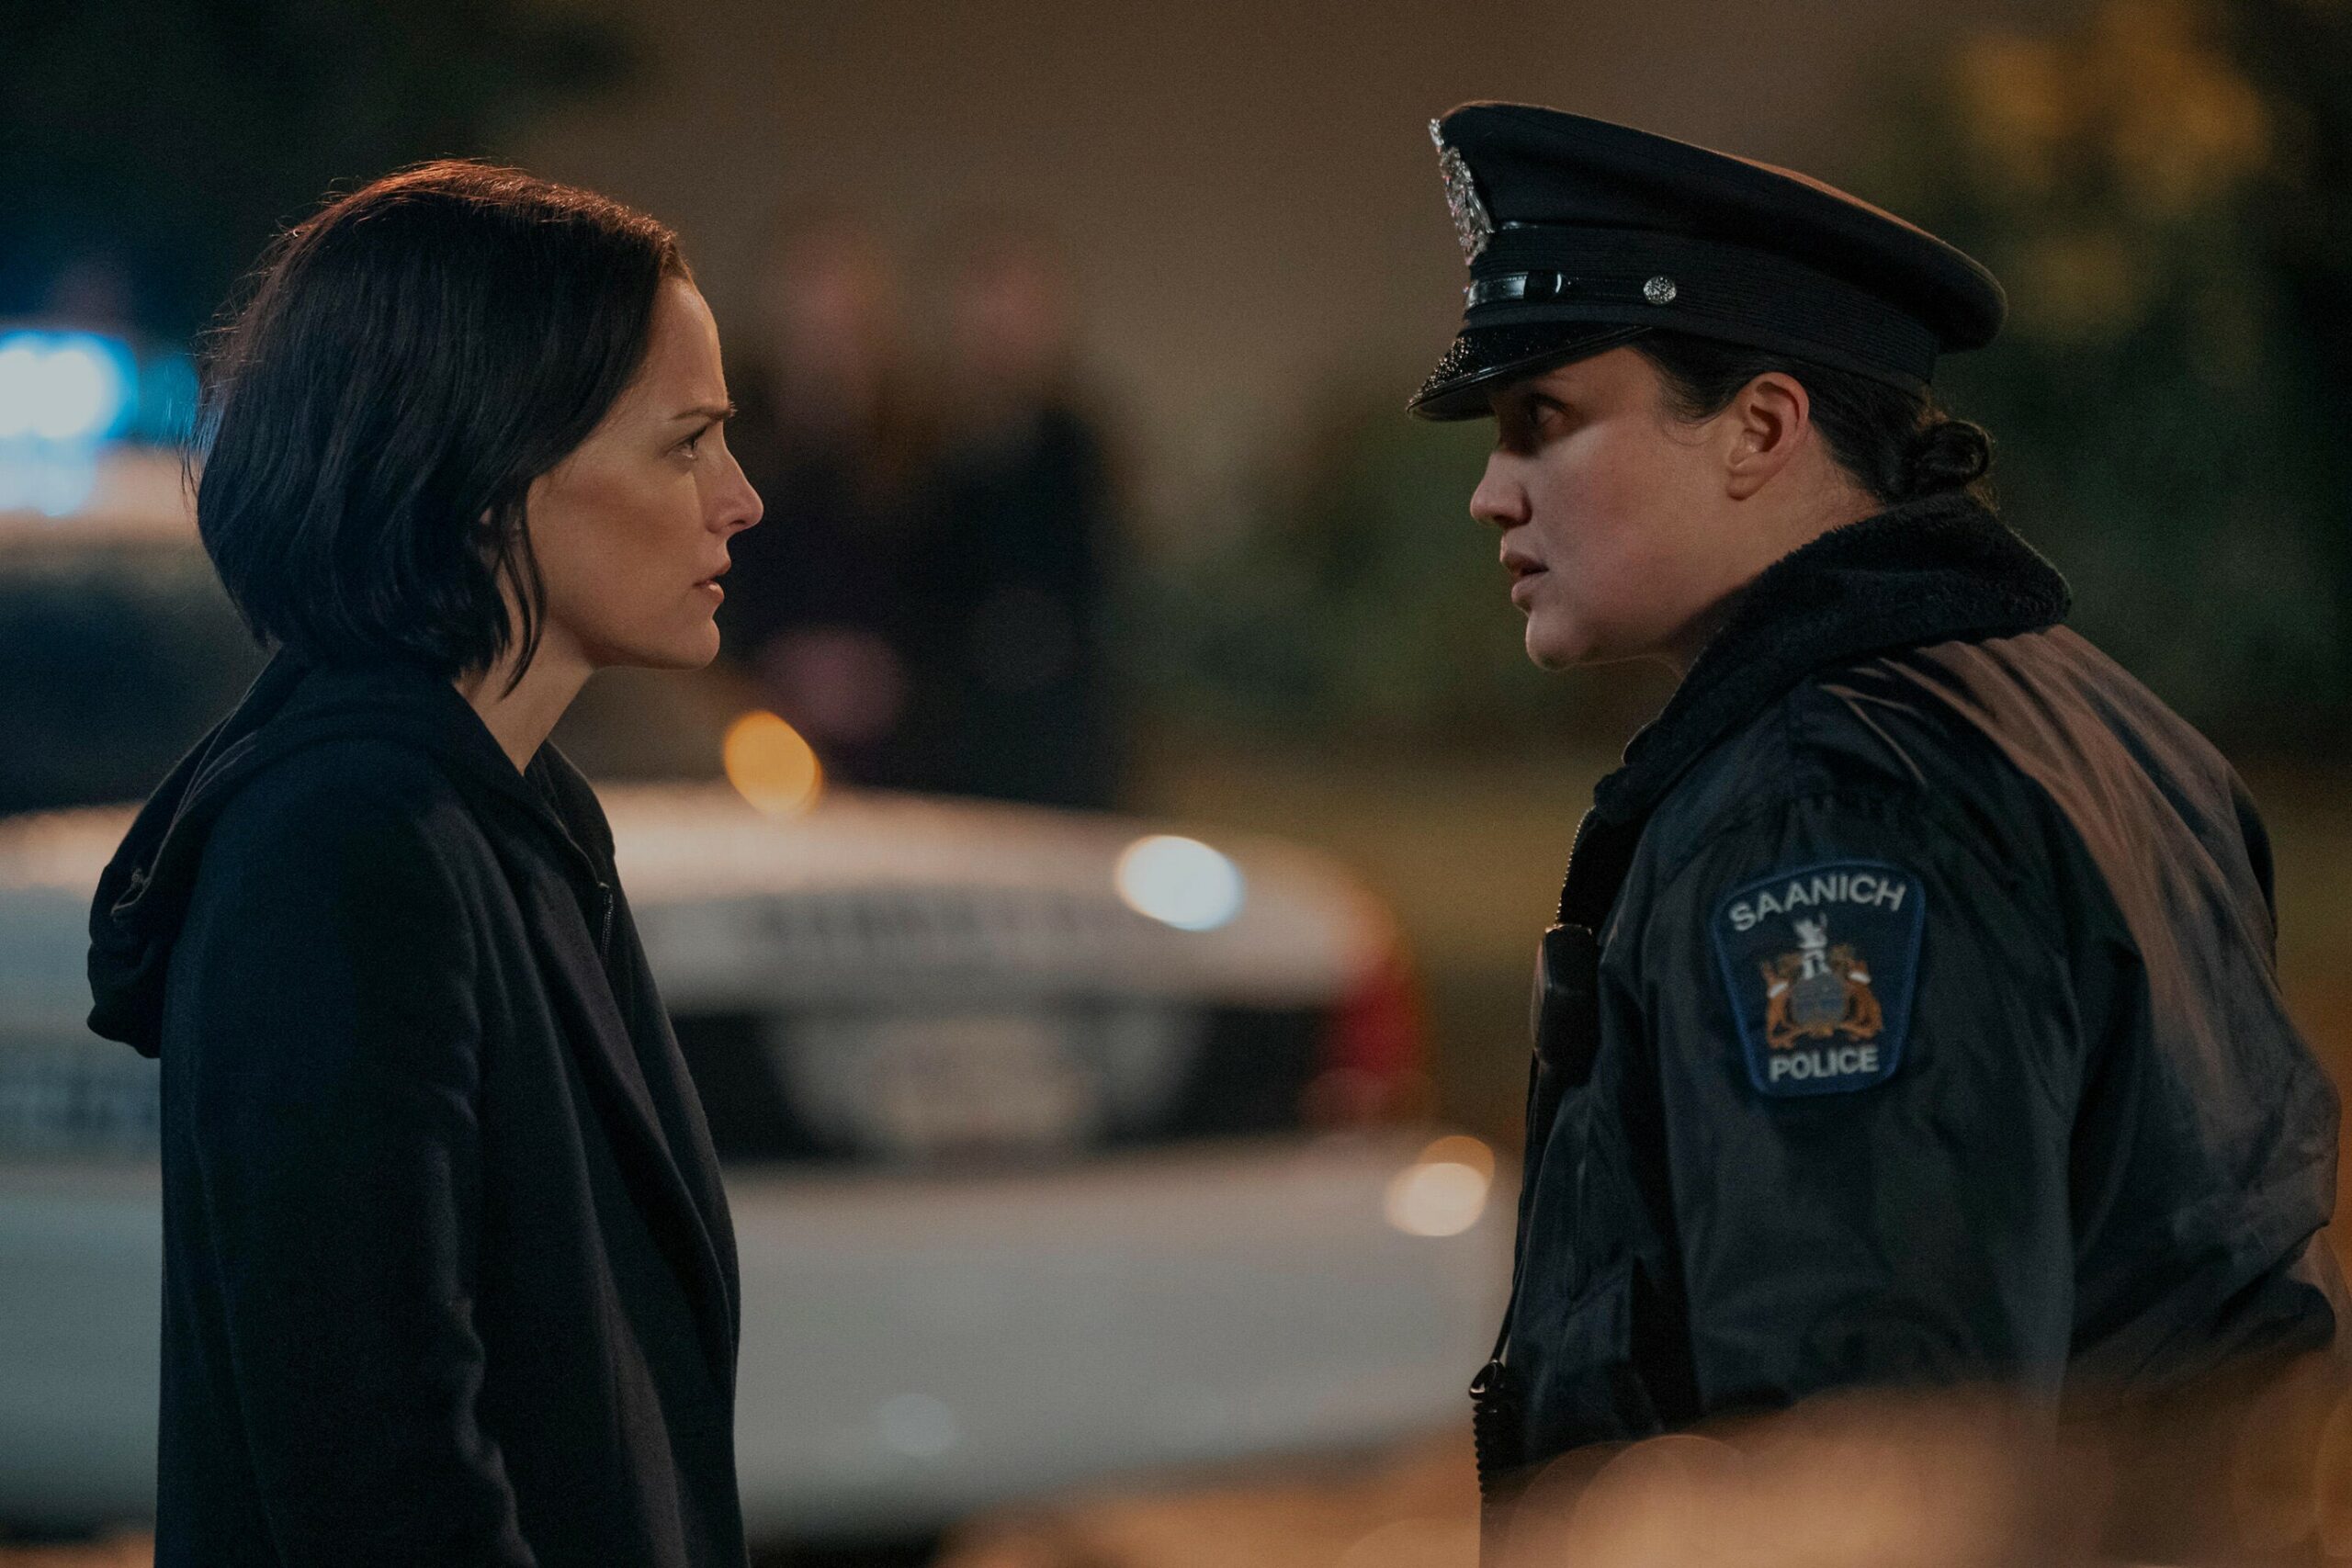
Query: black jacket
{"type": "Point", "coordinates": [1931, 1032]}
{"type": "Point", "coordinates": [447, 1270]}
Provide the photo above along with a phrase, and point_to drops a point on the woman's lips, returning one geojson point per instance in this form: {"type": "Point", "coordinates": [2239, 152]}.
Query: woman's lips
{"type": "Point", "coordinates": [1523, 571]}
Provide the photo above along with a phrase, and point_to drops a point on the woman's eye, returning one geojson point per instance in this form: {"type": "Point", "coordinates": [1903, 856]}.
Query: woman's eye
{"type": "Point", "coordinates": [1520, 426]}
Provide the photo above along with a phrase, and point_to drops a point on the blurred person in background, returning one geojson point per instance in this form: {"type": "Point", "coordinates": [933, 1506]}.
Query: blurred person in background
{"type": "Point", "coordinates": [1022, 528]}
{"type": "Point", "coordinates": [830, 606]}
{"type": "Point", "coordinates": [448, 1273]}
{"type": "Point", "coordinates": [1911, 1013]}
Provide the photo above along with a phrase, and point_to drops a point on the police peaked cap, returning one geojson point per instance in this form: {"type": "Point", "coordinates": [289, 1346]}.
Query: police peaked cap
{"type": "Point", "coordinates": [1582, 234]}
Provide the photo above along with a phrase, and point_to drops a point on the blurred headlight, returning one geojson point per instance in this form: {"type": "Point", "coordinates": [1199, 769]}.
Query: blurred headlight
{"type": "Point", "coordinates": [1444, 1191]}
{"type": "Point", "coordinates": [1179, 882]}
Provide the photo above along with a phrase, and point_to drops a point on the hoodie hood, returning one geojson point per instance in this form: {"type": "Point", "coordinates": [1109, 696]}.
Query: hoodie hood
{"type": "Point", "coordinates": [142, 896]}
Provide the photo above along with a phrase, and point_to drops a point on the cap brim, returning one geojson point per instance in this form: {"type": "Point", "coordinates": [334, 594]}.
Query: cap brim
{"type": "Point", "coordinates": [1483, 358]}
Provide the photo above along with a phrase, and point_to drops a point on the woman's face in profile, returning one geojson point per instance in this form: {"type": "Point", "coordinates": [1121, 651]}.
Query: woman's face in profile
{"type": "Point", "coordinates": [1608, 508]}
{"type": "Point", "coordinates": [632, 528]}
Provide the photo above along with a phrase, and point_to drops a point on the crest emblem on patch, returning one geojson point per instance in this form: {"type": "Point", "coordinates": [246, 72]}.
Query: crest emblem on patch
{"type": "Point", "coordinates": [1819, 992]}
{"type": "Point", "coordinates": [1471, 224]}
{"type": "Point", "coordinates": [1819, 966]}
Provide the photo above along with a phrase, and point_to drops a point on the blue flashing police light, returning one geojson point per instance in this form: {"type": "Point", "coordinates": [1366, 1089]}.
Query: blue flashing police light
{"type": "Point", "coordinates": [71, 388]}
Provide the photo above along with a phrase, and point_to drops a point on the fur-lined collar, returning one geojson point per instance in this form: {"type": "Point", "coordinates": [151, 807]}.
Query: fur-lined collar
{"type": "Point", "coordinates": [1924, 571]}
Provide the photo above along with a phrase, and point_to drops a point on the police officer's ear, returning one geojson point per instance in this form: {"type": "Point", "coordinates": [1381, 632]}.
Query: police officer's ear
{"type": "Point", "coordinates": [1764, 426]}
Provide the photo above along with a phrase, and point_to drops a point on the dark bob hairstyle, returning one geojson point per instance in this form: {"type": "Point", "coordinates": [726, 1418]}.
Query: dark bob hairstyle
{"type": "Point", "coordinates": [406, 362]}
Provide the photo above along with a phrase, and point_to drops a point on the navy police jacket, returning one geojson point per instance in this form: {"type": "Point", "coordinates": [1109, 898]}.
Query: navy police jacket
{"type": "Point", "coordinates": [1912, 1020]}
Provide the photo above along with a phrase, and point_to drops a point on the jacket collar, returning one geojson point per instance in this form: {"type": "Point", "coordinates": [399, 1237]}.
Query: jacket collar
{"type": "Point", "coordinates": [143, 893]}
{"type": "Point", "coordinates": [1926, 572]}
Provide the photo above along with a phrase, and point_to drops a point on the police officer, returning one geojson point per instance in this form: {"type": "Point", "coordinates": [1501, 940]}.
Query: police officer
{"type": "Point", "coordinates": [1910, 1016]}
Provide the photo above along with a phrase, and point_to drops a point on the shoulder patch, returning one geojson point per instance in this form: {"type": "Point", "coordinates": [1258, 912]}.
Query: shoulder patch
{"type": "Point", "coordinates": [1819, 965]}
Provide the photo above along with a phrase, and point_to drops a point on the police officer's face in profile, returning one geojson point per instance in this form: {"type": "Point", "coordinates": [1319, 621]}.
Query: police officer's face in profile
{"type": "Point", "coordinates": [1625, 529]}
{"type": "Point", "coordinates": [630, 529]}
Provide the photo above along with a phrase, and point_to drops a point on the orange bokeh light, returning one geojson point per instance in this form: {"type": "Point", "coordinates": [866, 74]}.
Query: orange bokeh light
{"type": "Point", "coordinates": [770, 766]}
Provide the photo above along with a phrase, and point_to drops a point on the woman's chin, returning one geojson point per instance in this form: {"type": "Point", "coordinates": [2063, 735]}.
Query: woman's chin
{"type": "Point", "coordinates": [1553, 647]}
{"type": "Point", "coordinates": [693, 653]}
{"type": "Point", "coordinates": [689, 649]}
{"type": "Point", "coordinates": [1560, 642]}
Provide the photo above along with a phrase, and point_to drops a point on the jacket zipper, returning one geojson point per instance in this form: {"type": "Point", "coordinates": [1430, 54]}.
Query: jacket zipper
{"type": "Point", "coordinates": [1567, 878]}
{"type": "Point", "coordinates": [605, 921]}
{"type": "Point", "coordinates": [1498, 1361]}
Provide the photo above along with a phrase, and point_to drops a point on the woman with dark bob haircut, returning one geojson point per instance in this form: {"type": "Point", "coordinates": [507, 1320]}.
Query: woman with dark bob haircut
{"type": "Point", "coordinates": [447, 1271]}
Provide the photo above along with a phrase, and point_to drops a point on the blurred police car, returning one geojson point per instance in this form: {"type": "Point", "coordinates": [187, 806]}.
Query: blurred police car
{"type": "Point", "coordinates": [1059, 1145]}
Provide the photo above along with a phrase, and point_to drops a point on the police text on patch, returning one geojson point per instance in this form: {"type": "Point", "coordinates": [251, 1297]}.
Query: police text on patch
{"type": "Point", "coordinates": [1822, 1064]}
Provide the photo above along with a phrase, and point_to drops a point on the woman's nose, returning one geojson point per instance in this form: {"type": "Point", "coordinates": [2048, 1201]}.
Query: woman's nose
{"type": "Point", "coordinates": [742, 506]}
{"type": "Point", "coordinates": [1500, 499]}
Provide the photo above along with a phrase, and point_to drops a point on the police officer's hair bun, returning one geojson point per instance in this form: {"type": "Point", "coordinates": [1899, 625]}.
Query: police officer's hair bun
{"type": "Point", "coordinates": [1898, 444]}
{"type": "Point", "coordinates": [1944, 454]}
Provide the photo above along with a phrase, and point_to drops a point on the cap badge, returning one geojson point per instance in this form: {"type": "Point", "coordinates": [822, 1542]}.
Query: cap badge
{"type": "Point", "coordinates": [1659, 290]}
{"type": "Point", "coordinates": [1471, 224]}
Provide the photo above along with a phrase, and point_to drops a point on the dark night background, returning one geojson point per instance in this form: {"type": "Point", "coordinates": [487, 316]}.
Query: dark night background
{"type": "Point", "coordinates": [1305, 635]}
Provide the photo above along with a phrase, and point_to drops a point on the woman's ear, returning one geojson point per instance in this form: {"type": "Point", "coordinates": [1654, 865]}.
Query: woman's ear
{"type": "Point", "coordinates": [1769, 421]}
